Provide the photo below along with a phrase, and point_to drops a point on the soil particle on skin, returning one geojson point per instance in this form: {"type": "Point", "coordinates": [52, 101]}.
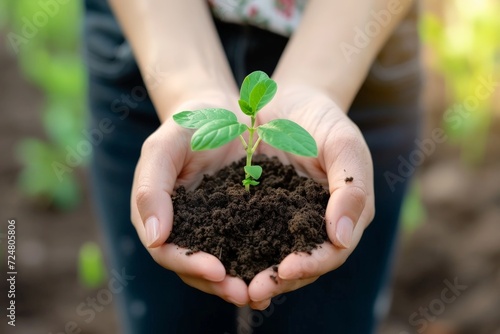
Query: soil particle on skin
{"type": "Point", "coordinates": [274, 275]}
{"type": "Point", "coordinates": [251, 232]}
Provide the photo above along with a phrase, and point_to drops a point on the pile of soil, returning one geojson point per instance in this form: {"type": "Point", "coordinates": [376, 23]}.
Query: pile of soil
{"type": "Point", "coordinates": [251, 231]}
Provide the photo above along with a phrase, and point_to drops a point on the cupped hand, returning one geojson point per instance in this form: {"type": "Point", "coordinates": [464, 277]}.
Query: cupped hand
{"type": "Point", "coordinates": [342, 155]}
{"type": "Point", "coordinates": [167, 162]}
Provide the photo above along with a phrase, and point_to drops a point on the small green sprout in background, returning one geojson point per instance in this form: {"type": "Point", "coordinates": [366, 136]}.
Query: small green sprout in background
{"type": "Point", "coordinates": [91, 267]}
{"type": "Point", "coordinates": [217, 127]}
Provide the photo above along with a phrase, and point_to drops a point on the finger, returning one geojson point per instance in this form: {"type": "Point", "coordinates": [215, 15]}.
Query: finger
{"type": "Point", "coordinates": [267, 284]}
{"type": "Point", "coordinates": [199, 264]}
{"type": "Point", "coordinates": [152, 214]}
{"type": "Point", "coordinates": [344, 209]}
{"type": "Point", "coordinates": [350, 179]}
{"type": "Point", "coordinates": [231, 289]}
{"type": "Point", "coordinates": [151, 204]}
{"type": "Point", "coordinates": [260, 306]}
{"type": "Point", "coordinates": [322, 260]}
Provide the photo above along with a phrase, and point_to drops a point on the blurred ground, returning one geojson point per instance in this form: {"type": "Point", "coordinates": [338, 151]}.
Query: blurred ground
{"type": "Point", "coordinates": [459, 243]}
{"type": "Point", "coordinates": [47, 288]}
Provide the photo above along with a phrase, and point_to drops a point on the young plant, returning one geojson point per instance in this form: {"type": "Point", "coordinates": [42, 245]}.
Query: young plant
{"type": "Point", "coordinates": [217, 127]}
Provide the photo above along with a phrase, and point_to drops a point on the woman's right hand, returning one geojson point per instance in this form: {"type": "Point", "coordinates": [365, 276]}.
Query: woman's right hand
{"type": "Point", "coordinates": [167, 162]}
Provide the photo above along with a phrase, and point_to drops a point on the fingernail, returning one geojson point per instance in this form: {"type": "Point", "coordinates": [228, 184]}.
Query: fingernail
{"type": "Point", "coordinates": [344, 231]}
{"type": "Point", "coordinates": [152, 230]}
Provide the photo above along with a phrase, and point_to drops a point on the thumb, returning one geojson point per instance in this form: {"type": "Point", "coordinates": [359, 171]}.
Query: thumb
{"type": "Point", "coordinates": [151, 203]}
{"type": "Point", "coordinates": [351, 203]}
{"type": "Point", "coordinates": [345, 208]}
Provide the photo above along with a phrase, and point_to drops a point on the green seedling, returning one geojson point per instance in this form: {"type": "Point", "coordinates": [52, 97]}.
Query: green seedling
{"type": "Point", "coordinates": [217, 127]}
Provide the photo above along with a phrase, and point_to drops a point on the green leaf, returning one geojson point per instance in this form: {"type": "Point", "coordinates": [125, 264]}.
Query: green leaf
{"type": "Point", "coordinates": [262, 94]}
{"type": "Point", "coordinates": [256, 91]}
{"type": "Point", "coordinates": [250, 82]}
{"type": "Point", "coordinates": [196, 119]}
{"type": "Point", "coordinates": [413, 212]}
{"type": "Point", "coordinates": [254, 171]}
{"type": "Point", "coordinates": [288, 136]}
{"type": "Point", "coordinates": [38, 178]}
{"type": "Point", "coordinates": [91, 267]}
{"type": "Point", "coordinates": [250, 182]}
{"type": "Point", "coordinates": [216, 133]}
{"type": "Point", "coordinates": [62, 121]}
{"type": "Point", "coordinates": [245, 107]}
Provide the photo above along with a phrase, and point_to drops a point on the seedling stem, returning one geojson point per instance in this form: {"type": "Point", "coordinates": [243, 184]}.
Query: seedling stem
{"type": "Point", "coordinates": [216, 127]}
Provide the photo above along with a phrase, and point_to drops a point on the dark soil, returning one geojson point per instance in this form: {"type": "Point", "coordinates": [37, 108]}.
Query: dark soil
{"type": "Point", "coordinates": [250, 232]}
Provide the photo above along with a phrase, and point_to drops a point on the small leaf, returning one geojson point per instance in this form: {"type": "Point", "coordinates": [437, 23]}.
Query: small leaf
{"type": "Point", "coordinates": [250, 82]}
{"type": "Point", "coordinates": [250, 182]}
{"type": "Point", "coordinates": [91, 266]}
{"type": "Point", "coordinates": [216, 133]}
{"type": "Point", "coordinates": [254, 171]}
{"type": "Point", "coordinates": [288, 136]}
{"type": "Point", "coordinates": [196, 119]}
{"type": "Point", "coordinates": [262, 94]}
{"type": "Point", "coordinates": [245, 107]}
{"type": "Point", "coordinates": [256, 91]}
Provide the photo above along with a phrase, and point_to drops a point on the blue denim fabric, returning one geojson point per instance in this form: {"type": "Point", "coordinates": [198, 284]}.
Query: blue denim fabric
{"type": "Point", "coordinates": [156, 300]}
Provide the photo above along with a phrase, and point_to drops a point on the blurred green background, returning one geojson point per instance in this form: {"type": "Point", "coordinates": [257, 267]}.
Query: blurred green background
{"type": "Point", "coordinates": [42, 66]}
{"type": "Point", "coordinates": [49, 57]}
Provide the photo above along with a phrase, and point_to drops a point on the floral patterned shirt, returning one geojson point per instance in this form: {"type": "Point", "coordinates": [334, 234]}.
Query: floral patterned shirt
{"type": "Point", "coordinates": [278, 16]}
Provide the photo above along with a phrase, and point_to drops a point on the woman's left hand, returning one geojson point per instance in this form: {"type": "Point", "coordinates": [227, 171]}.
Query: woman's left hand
{"type": "Point", "coordinates": [342, 153]}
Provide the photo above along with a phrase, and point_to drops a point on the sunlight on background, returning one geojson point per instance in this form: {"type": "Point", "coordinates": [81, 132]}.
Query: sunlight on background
{"type": "Point", "coordinates": [461, 42]}
{"type": "Point", "coordinates": [466, 49]}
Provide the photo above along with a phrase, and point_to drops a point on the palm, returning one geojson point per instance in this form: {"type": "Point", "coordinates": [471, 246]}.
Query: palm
{"type": "Point", "coordinates": [197, 164]}
{"type": "Point", "coordinates": [342, 152]}
{"type": "Point", "coordinates": [321, 118]}
{"type": "Point", "coordinates": [167, 162]}
{"type": "Point", "coordinates": [191, 165]}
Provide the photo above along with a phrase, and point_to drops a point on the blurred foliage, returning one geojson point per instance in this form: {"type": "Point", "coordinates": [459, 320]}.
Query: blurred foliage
{"type": "Point", "coordinates": [91, 268]}
{"type": "Point", "coordinates": [37, 157]}
{"type": "Point", "coordinates": [3, 13]}
{"type": "Point", "coordinates": [465, 46]}
{"type": "Point", "coordinates": [413, 212]}
{"type": "Point", "coordinates": [45, 36]}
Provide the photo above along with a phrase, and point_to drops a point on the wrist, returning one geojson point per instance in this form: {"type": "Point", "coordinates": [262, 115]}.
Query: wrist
{"type": "Point", "coordinates": [299, 95]}
{"type": "Point", "coordinates": [170, 89]}
{"type": "Point", "coordinates": [303, 85]}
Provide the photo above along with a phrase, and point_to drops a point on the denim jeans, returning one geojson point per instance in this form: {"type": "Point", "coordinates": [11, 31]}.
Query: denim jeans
{"type": "Point", "coordinates": [156, 301]}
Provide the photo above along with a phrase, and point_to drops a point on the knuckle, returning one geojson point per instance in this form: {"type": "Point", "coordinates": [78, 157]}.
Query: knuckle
{"type": "Point", "coordinates": [143, 195]}
{"type": "Point", "coordinates": [149, 144]}
{"type": "Point", "coordinates": [345, 136]}
{"type": "Point", "coordinates": [310, 267]}
{"type": "Point", "coordinates": [346, 145]}
{"type": "Point", "coordinates": [357, 195]}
